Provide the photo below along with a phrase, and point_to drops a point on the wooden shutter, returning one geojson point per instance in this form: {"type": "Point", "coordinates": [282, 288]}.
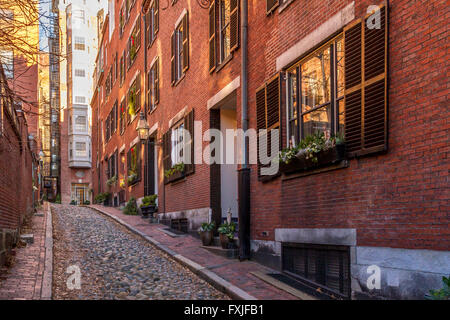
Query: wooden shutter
{"type": "Point", "coordinates": [138, 160]}
{"type": "Point", "coordinates": [189, 126]}
{"type": "Point", "coordinates": [167, 149]}
{"type": "Point", "coordinates": [268, 110]}
{"type": "Point", "coordinates": [156, 66]}
{"type": "Point", "coordinates": [366, 86]}
{"type": "Point", "coordinates": [271, 5]}
{"type": "Point", "coordinates": [212, 36]}
{"type": "Point", "coordinates": [185, 42]}
{"type": "Point", "coordinates": [128, 162]}
{"type": "Point", "coordinates": [172, 58]}
{"type": "Point", "coordinates": [234, 25]}
{"type": "Point", "coordinates": [156, 17]}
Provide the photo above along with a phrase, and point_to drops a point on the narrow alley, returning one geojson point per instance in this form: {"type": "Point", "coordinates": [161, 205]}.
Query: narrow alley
{"type": "Point", "coordinates": [114, 263]}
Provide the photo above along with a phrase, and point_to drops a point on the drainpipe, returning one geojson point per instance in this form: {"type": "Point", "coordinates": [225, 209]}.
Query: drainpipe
{"type": "Point", "coordinates": [244, 171]}
{"type": "Point", "coordinates": [146, 102]}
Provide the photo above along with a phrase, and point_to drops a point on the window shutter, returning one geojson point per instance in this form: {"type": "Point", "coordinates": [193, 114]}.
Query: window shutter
{"type": "Point", "coordinates": [128, 162]}
{"type": "Point", "coordinates": [189, 126]}
{"type": "Point", "coordinates": [156, 10]}
{"type": "Point", "coordinates": [271, 5]}
{"type": "Point", "coordinates": [172, 58]}
{"type": "Point", "coordinates": [212, 36]}
{"type": "Point", "coordinates": [365, 86]}
{"type": "Point", "coordinates": [268, 109]}
{"type": "Point", "coordinates": [234, 25]}
{"type": "Point", "coordinates": [138, 160]}
{"type": "Point", "coordinates": [186, 42]}
{"type": "Point", "coordinates": [167, 146]}
{"type": "Point", "coordinates": [156, 81]}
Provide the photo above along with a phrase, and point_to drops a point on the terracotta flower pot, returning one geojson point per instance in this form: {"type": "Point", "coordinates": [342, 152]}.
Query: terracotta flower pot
{"type": "Point", "coordinates": [207, 237]}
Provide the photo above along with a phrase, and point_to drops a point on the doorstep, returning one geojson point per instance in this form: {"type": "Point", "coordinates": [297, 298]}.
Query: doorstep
{"type": "Point", "coordinates": [227, 253]}
{"type": "Point", "coordinates": [230, 276]}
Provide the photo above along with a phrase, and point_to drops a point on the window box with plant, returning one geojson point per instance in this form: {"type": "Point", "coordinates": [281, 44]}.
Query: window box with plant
{"type": "Point", "coordinates": [148, 206]}
{"type": "Point", "coordinates": [206, 232]}
{"type": "Point", "coordinates": [176, 172]}
{"type": "Point", "coordinates": [111, 181]}
{"type": "Point", "coordinates": [226, 234]}
{"type": "Point", "coordinates": [312, 152]}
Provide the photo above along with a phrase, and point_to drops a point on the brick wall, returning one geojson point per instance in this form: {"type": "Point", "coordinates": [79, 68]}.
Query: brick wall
{"type": "Point", "coordinates": [400, 199]}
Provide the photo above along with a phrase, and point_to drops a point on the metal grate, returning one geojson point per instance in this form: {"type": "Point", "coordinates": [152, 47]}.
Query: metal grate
{"type": "Point", "coordinates": [327, 267]}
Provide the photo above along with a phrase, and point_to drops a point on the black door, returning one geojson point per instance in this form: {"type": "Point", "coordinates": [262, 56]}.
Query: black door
{"type": "Point", "coordinates": [149, 186]}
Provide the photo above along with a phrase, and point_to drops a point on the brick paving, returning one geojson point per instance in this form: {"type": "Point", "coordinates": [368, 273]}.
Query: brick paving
{"type": "Point", "coordinates": [24, 279]}
{"type": "Point", "coordinates": [234, 271]}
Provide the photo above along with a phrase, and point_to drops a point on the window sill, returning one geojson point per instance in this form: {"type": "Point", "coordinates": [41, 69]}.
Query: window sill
{"type": "Point", "coordinates": [179, 80]}
{"type": "Point", "coordinates": [150, 111]}
{"type": "Point", "coordinates": [224, 62]}
{"type": "Point", "coordinates": [340, 165]}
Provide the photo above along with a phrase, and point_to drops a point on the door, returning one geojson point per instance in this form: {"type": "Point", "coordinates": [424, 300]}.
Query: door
{"type": "Point", "coordinates": [228, 171]}
{"type": "Point", "coordinates": [80, 195]}
{"type": "Point", "coordinates": [151, 162]}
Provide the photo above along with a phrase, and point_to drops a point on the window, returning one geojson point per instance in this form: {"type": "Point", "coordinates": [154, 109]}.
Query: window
{"type": "Point", "coordinates": [7, 60]}
{"type": "Point", "coordinates": [134, 163]}
{"type": "Point", "coordinates": [152, 18]}
{"type": "Point", "coordinates": [80, 123]}
{"type": "Point", "coordinates": [112, 166]}
{"type": "Point", "coordinates": [153, 85]}
{"type": "Point", "coordinates": [224, 22]}
{"type": "Point", "coordinates": [122, 68]}
{"type": "Point", "coordinates": [109, 82]}
{"type": "Point", "coordinates": [316, 93]}
{"type": "Point", "coordinates": [324, 266]}
{"type": "Point", "coordinates": [80, 73]}
{"type": "Point", "coordinates": [123, 116]}
{"type": "Point", "coordinates": [134, 98]}
{"type": "Point", "coordinates": [79, 43]}
{"type": "Point", "coordinates": [121, 20]}
{"type": "Point", "coordinates": [180, 50]}
{"type": "Point", "coordinates": [80, 149]}
{"type": "Point", "coordinates": [116, 70]}
{"type": "Point", "coordinates": [177, 144]}
{"type": "Point", "coordinates": [178, 147]}
{"type": "Point", "coordinates": [223, 29]}
{"type": "Point", "coordinates": [80, 99]}
{"type": "Point", "coordinates": [78, 14]}
{"type": "Point", "coordinates": [134, 43]}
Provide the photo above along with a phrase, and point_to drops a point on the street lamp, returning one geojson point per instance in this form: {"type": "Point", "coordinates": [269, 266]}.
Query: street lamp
{"type": "Point", "coordinates": [143, 128]}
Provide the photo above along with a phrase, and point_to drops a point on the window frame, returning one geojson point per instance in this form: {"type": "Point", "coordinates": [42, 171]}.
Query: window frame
{"type": "Point", "coordinates": [334, 99]}
{"type": "Point", "coordinates": [222, 29]}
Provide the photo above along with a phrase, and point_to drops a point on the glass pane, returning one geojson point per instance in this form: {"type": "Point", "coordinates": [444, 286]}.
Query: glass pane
{"type": "Point", "coordinates": [317, 121]}
{"type": "Point", "coordinates": [341, 115]}
{"type": "Point", "coordinates": [316, 80]}
{"type": "Point", "coordinates": [293, 133]}
{"type": "Point", "coordinates": [340, 68]}
{"type": "Point", "coordinates": [292, 87]}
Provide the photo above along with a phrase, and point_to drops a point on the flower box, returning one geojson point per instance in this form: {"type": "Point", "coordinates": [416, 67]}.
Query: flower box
{"type": "Point", "coordinates": [324, 158]}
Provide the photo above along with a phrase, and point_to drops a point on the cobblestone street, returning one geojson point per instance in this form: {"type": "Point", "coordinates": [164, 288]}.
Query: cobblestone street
{"type": "Point", "coordinates": [114, 263]}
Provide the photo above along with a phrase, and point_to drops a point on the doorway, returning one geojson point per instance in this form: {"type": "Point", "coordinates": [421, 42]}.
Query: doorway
{"type": "Point", "coordinates": [151, 168]}
{"type": "Point", "coordinates": [228, 169]}
{"type": "Point", "coordinates": [80, 193]}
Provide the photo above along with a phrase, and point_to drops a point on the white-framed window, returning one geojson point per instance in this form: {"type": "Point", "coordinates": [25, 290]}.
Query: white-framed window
{"type": "Point", "coordinates": [80, 123]}
{"type": "Point", "coordinates": [177, 144]}
{"type": "Point", "coordinates": [225, 29]}
{"type": "Point", "coordinates": [7, 60]}
{"type": "Point", "coordinates": [80, 73]}
{"type": "Point", "coordinates": [80, 99]}
{"type": "Point", "coordinates": [80, 149]}
{"type": "Point", "coordinates": [80, 43]}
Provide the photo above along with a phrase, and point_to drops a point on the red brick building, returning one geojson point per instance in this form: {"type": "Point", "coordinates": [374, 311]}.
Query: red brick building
{"type": "Point", "coordinates": [370, 75]}
{"type": "Point", "coordinates": [18, 168]}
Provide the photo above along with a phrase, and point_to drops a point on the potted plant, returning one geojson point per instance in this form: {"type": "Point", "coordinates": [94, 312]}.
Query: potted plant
{"type": "Point", "coordinates": [148, 206]}
{"type": "Point", "coordinates": [226, 232]}
{"type": "Point", "coordinates": [131, 207]}
{"type": "Point", "coordinates": [206, 232]}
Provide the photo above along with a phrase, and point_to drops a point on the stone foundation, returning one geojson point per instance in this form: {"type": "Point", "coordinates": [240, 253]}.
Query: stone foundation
{"type": "Point", "coordinates": [195, 217]}
{"type": "Point", "coordinates": [404, 273]}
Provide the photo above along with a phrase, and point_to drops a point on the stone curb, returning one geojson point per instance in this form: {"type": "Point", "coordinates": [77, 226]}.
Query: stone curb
{"type": "Point", "coordinates": [207, 275]}
{"type": "Point", "coordinates": [47, 279]}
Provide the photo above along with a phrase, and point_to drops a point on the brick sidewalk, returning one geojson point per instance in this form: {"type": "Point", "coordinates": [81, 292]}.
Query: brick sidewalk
{"type": "Point", "coordinates": [233, 271]}
{"type": "Point", "coordinates": [24, 280]}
